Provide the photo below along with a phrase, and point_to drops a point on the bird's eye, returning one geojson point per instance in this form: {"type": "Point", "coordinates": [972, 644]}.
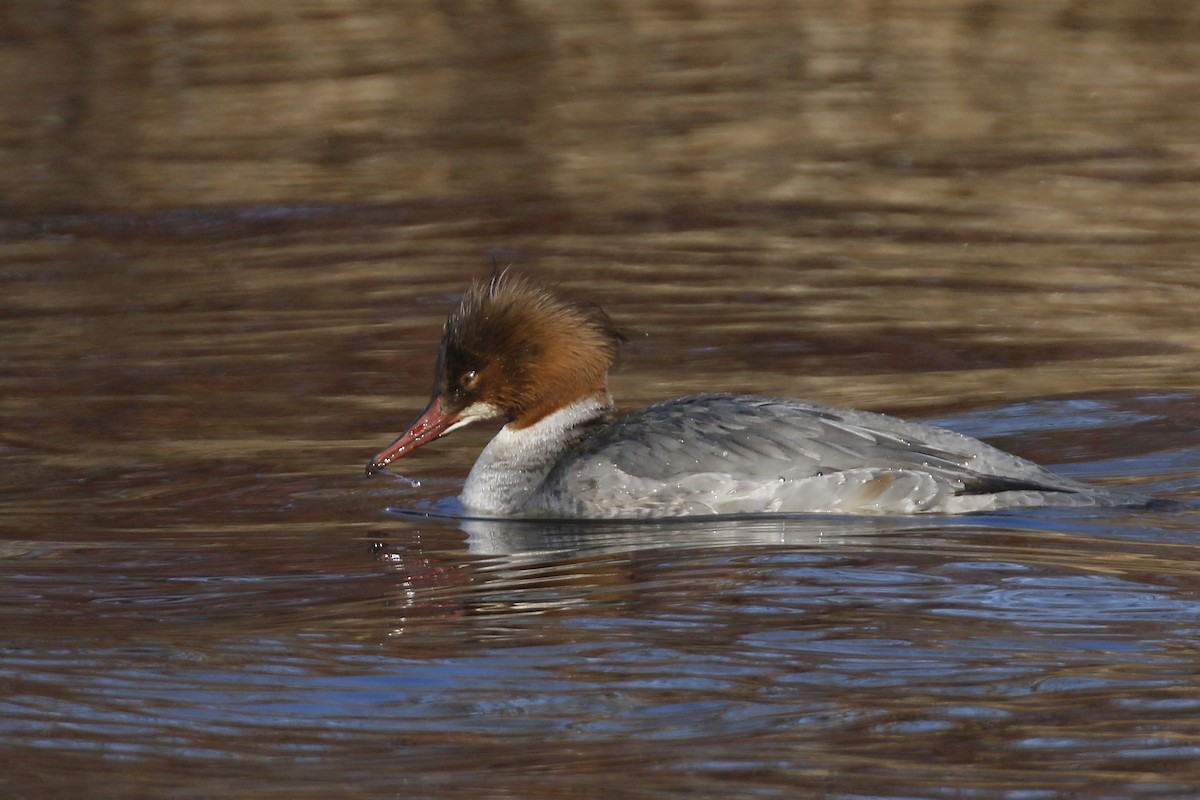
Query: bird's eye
{"type": "Point", "coordinates": [468, 380]}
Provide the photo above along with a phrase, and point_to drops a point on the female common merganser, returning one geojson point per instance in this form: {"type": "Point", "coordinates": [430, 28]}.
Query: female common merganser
{"type": "Point", "coordinates": [516, 350]}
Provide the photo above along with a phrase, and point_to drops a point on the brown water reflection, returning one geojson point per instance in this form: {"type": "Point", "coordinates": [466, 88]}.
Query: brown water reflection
{"type": "Point", "coordinates": [229, 236]}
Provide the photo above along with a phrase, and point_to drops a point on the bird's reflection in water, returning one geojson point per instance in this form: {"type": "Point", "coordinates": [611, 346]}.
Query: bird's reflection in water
{"type": "Point", "coordinates": [532, 541]}
{"type": "Point", "coordinates": [515, 568]}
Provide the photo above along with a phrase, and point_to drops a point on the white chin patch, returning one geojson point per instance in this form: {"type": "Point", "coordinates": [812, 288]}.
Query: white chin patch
{"type": "Point", "coordinates": [476, 412]}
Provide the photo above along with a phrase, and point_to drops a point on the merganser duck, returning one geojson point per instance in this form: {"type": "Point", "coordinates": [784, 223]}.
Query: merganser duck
{"type": "Point", "coordinates": [518, 351]}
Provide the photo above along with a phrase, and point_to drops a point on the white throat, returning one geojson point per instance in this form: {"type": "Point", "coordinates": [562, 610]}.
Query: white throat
{"type": "Point", "coordinates": [515, 463]}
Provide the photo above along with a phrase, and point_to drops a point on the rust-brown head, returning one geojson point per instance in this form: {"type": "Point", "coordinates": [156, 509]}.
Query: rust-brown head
{"type": "Point", "coordinates": [512, 349]}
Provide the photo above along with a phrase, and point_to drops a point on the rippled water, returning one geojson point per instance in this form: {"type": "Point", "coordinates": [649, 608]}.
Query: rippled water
{"type": "Point", "coordinates": [217, 302]}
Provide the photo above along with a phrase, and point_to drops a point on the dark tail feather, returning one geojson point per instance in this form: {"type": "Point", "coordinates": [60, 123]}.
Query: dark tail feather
{"type": "Point", "coordinates": [993, 484]}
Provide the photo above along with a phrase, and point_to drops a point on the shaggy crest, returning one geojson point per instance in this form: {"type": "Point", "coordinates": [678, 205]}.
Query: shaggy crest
{"type": "Point", "coordinates": [524, 348]}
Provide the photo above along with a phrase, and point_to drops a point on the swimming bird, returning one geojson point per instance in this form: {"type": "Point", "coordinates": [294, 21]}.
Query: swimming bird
{"type": "Point", "coordinates": [519, 351]}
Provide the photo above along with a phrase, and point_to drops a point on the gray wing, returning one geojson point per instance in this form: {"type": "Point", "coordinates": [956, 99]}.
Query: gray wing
{"type": "Point", "coordinates": [763, 439]}
{"type": "Point", "coordinates": [748, 434]}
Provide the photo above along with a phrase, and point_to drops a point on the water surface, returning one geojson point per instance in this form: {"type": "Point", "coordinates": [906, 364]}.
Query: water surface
{"type": "Point", "coordinates": [229, 239]}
